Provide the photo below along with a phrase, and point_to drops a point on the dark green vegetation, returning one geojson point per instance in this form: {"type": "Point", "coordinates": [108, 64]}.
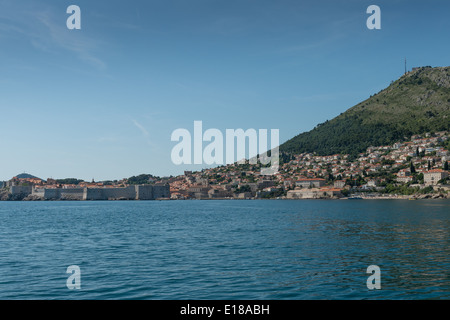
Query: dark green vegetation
{"type": "Point", "coordinates": [141, 179]}
{"type": "Point", "coordinates": [69, 181]}
{"type": "Point", "coordinates": [417, 103]}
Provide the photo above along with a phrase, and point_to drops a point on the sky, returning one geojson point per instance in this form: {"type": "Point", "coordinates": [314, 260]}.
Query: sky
{"type": "Point", "coordinates": [102, 102]}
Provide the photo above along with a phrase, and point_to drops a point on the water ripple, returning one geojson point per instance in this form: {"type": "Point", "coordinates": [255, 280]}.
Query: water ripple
{"type": "Point", "coordinates": [225, 249]}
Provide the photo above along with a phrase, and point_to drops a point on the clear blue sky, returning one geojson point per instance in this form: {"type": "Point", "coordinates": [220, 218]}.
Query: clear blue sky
{"type": "Point", "coordinates": [102, 102]}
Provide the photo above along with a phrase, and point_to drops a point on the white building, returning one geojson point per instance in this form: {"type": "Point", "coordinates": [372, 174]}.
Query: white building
{"type": "Point", "coordinates": [310, 183]}
{"type": "Point", "coordinates": [432, 177]}
{"type": "Point", "coordinates": [339, 184]}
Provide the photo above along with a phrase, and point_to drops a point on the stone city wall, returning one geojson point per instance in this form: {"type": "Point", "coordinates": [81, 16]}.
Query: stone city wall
{"type": "Point", "coordinates": [21, 190]}
{"type": "Point", "coordinates": [138, 192]}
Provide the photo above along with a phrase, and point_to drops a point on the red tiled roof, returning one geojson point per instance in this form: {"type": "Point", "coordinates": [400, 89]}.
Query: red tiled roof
{"type": "Point", "coordinates": [330, 189]}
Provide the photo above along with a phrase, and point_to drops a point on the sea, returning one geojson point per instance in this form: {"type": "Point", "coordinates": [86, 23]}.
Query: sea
{"type": "Point", "coordinates": [225, 250]}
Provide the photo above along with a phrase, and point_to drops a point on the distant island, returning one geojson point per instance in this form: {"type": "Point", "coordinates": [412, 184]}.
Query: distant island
{"type": "Point", "coordinates": [395, 145]}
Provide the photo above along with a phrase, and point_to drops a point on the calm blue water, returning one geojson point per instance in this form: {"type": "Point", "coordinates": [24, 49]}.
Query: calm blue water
{"type": "Point", "coordinates": [225, 249]}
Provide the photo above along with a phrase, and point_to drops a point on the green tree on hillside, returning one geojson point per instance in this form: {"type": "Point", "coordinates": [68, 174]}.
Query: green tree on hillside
{"type": "Point", "coordinates": [412, 168]}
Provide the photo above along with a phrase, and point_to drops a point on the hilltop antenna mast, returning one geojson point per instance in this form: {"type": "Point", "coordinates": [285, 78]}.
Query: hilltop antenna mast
{"type": "Point", "coordinates": [405, 65]}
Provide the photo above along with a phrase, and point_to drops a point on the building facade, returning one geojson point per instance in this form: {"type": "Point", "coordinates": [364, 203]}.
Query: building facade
{"type": "Point", "coordinates": [315, 193]}
{"type": "Point", "coordinates": [432, 177]}
{"type": "Point", "coordinates": [310, 183]}
{"type": "Point", "coordinates": [339, 184]}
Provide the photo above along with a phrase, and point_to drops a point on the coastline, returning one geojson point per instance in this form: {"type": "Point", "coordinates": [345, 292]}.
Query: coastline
{"type": "Point", "coordinates": [396, 197]}
{"type": "Point", "coordinates": [66, 195]}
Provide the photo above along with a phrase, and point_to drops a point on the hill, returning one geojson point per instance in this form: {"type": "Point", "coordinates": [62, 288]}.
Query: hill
{"type": "Point", "coordinates": [417, 103]}
{"type": "Point", "coordinates": [26, 176]}
{"type": "Point", "coordinates": [142, 179]}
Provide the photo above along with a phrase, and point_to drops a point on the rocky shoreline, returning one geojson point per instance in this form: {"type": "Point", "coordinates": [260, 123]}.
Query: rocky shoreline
{"type": "Point", "coordinates": [402, 197]}
{"type": "Point", "coordinates": [7, 196]}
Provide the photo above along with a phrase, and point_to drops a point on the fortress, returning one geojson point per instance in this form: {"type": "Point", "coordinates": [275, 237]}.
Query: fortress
{"type": "Point", "coordinates": [137, 192]}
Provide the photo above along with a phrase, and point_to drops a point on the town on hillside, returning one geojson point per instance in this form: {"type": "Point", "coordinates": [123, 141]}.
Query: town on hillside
{"type": "Point", "coordinates": [414, 169]}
